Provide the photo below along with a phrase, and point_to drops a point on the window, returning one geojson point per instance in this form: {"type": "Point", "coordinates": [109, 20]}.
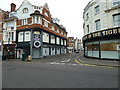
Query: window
{"type": "Point", "coordinates": [61, 32]}
{"type": "Point", "coordinates": [52, 39]}
{"type": "Point", "coordinates": [88, 28]}
{"type": "Point", "coordinates": [37, 19]}
{"type": "Point", "coordinates": [57, 30]}
{"type": "Point", "coordinates": [58, 40]}
{"type": "Point", "coordinates": [65, 34]}
{"type": "Point", "coordinates": [27, 36]}
{"type": "Point", "coordinates": [45, 37]}
{"type": "Point", "coordinates": [53, 28]}
{"type": "Point", "coordinates": [46, 14]}
{"type": "Point", "coordinates": [97, 10]}
{"type": "Point", "coordinates": [116, 20]}
{"type": "Point", "coordinates": [12, 36]}
{"type": "Point", "coordinates": [87, 16]}
{"type": "Point", "coordinates": [116, 2]}
{"type": "Point", "coordinates": [45, 23]}
{"type": "Point", "coordinates": [25, 10]}
{"type": "Point", "coordinates": [65, 42]}
{"type": "Point", "coordinates": [97, 23]}
{"type": "Point", "coordinates": [61, 41]}
{"type": "Point", "coordinates": [20, 37]}
{"type": "Point", "coordinates": [24, 22]}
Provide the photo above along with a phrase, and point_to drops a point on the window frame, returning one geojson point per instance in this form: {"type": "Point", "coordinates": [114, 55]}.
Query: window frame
{"type": "Point", "coordinates": [118, 20]}
{"type": "Point", "coordinates": [97, 9]}
{"type": "Point", "coordinates": [97, 25]}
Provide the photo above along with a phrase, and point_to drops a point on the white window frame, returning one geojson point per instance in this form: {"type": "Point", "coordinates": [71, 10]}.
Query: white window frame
{"type": "Point", "coordinates": [116, 20]}
{"type": "Point", "coordinates": [58, 40]}
{"type": "Point", "coordinates": [87, 16]}
{"type": "Point", "coordinates": [20, 36]}
{"type": "Point", "coordinates": [97, 24]}
{"type": "Point", "coordinates": [116, 2]}
{"type": "Point", "coordinates": [46, 14]}
{"type": "Point", "coordinates": [53, 28]}
{"type": "Point", "coordinates": [45, 37]}
{"type": "Point", "coordinates": [27, 37]}
{"type": "Point", "coordinates": [24, 21]}
{"type": "Point", "coordinates": [25, 10]}
{"type": "Point", "coordinates": [45, 23]}
{"type": "Point", "coordinates": [97, 9]}
{"type": "Point", "coordinates": [52, 39]}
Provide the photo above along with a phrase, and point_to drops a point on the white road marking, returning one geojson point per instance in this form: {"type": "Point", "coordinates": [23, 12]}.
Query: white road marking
{"type": "Point", "coordinates": [66, 61]}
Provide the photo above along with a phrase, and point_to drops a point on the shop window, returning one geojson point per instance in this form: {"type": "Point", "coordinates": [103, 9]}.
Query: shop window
{"type": "Point", "coordinates": [109, 49]}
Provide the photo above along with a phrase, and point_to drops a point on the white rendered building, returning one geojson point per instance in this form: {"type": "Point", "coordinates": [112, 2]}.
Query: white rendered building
{"type": "Point", "coordinates": [102, 29]}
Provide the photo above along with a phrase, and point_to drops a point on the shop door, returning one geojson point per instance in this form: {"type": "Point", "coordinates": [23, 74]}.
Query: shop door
{"type": "Point", "coordinates": [36, 53]}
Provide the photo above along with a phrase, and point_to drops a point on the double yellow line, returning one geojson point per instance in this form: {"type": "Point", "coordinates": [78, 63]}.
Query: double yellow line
{"type": "Point", "coordinates": [93, 65]}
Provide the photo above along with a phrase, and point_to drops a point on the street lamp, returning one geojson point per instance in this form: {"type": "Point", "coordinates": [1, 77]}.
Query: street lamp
{"type": "Point", "coordinates": [8, 47]}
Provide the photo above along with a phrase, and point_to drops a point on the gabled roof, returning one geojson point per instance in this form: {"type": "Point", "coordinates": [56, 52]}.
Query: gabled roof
{"type": "Point", "coordinates": [24, 2]}
{"type": "Point", "coordinates": [46, 6]}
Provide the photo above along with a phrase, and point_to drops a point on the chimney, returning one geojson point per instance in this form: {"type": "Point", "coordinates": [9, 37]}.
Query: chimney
{"type": "Point", "coordinates": [13, 7]}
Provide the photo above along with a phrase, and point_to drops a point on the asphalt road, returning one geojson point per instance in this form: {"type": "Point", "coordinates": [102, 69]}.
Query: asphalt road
{"type": "Point", "coordinates": [50, 75]}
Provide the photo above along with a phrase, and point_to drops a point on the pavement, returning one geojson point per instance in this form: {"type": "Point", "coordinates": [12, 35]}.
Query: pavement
{"type": "Point", "coordinates": [90, 61]}
{"type": "Point", "coordinates": [79, 59]}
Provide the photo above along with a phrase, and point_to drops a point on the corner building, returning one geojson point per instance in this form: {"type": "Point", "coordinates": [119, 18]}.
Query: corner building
{"type": "Point", "coordinates": [38, 34]}
{"type": "Point", "coordinates": [102, 29]}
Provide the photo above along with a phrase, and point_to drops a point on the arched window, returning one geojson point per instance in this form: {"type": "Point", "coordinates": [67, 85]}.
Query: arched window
{"type": "Point", "coordinates": [25, 10]}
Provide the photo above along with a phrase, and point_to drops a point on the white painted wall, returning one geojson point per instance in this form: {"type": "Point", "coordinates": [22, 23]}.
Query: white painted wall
{"type": "Point", "coordinates": [106, 18]}
{"type": "Point", "coordinates": [9, 31]}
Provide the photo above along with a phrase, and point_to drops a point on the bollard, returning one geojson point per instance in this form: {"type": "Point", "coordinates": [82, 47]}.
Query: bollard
{"type": "Point", "coordinates": [29, 58]}
{"type": "Point", "coordinates": [23, 56]}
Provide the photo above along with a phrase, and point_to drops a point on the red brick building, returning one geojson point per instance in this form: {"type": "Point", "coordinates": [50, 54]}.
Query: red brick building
{"type": "Point", "coordinates": [70, 44]}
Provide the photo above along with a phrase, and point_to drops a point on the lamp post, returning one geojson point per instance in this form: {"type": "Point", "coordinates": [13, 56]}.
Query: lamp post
{"type": "Point", "coordinates": [8, 47]}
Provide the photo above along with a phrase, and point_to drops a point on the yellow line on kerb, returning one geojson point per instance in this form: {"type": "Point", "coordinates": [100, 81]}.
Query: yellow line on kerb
{"type": "Point", "coordinates": [94, 65]}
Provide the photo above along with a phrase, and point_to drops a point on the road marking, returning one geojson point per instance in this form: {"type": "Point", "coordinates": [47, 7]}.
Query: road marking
{"type": "Point", "coordinates": [83, 64]}
{"type": "Point", "coordinates": [66, 61]}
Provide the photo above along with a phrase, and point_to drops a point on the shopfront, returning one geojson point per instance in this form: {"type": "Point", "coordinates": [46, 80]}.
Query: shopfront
{"type": "Point", "coordinates": [103, 44]}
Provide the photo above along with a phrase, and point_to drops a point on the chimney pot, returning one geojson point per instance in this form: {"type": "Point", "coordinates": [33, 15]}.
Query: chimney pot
{"type": "Point", "coordinates": [13, 7]}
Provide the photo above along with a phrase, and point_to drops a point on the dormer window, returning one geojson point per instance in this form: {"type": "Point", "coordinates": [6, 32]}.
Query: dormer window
{"type": "Point", "coordinates": [25, 10]}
